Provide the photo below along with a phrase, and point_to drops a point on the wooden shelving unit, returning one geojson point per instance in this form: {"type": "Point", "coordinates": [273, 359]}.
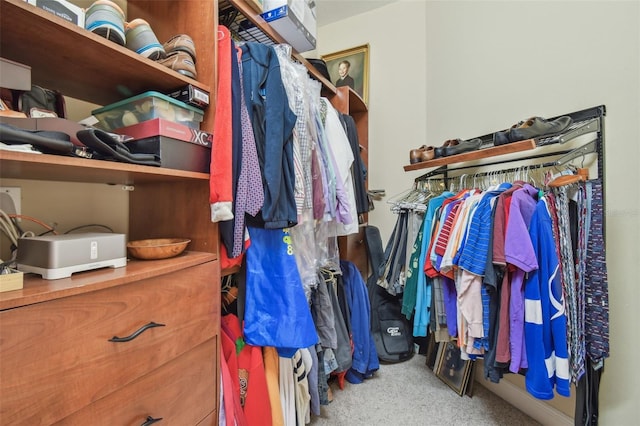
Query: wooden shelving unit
{"type": "Point", "coordinates": [19, 165]}
{"type": "Point", "coordinates": [162, 202]}
{"type": "Point", "coordinates": [77, 62]}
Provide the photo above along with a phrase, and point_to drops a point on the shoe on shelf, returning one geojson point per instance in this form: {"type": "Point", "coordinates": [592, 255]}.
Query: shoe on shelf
{"type": "Point", "coordinates": [182, 63]}
{"type": "Point", "coordinates": [463, 146]}
{"type": "Point", "coordinates": [440, 151]}
{"type": "Point", "coordinates": [424, 153]}
{"type": "Point", "coordinates": [533, 127]}
{"type": "Point", "coordinates": [106, 19]}
{"type": "Point", "coordinates": [142, 40]}
{"type": "Point", "coordinates": [181, 43]}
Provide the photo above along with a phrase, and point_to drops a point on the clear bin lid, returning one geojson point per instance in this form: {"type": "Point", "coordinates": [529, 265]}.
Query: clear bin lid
{"type": "Point", "coordinates": [150, 94]}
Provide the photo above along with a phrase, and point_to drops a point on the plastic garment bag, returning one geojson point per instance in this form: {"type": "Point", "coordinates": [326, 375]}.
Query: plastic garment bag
{"type": "Point", "coordinates": [304, 247]}
{"type": "Point", "coordinates": [276, 309]}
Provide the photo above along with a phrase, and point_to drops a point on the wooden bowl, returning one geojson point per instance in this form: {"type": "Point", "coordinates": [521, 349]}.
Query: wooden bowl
{"type": "Point", "coordinates": [159, 248]}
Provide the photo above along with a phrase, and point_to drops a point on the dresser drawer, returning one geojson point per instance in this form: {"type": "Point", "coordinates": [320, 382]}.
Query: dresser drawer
{"type": "Point", "coordinates": [57, 357]}
{"type": "Point", "coordinates": [181, 392]}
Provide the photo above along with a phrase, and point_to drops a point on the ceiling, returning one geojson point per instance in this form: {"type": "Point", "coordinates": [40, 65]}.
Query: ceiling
{"type": "Point", "coordinates": [329, 11]}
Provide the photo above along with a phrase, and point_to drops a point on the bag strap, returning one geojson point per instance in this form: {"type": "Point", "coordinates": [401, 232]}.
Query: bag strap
{"type": "Point", "coordinates": [375, 250]}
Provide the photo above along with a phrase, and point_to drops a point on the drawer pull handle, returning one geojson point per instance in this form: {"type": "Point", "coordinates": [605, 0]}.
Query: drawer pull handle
{"type": "Point", "coordinates": [136, 333]}
{"type": "Point", "coordinates": [151, 420]}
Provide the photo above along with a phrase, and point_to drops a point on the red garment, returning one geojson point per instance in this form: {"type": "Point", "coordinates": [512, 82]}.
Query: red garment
{"type": "Point", "coordinates": [445, 232]}
{"type": "Point", "coordinates": [220, 180]}
{"type": "Point", "coordinates": [227, 385]}
{"type": "Point", "coordinates": [227, 262]}
{"type": "Point", "coordinates": [500, 222]}
{"type": "Point", "coordinates": [254, 394]}
{"type": "Point", "coordinates": [231, 382]}
{"type": "Point", "coordinates": [429, 269]}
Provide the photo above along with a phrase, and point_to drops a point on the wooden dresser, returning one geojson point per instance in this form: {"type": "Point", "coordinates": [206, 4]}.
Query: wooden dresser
{"type": "Point", "coordinates": [114, 347]}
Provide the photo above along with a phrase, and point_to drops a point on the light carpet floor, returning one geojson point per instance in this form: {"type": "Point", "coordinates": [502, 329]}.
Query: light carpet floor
{"type": "Point", "coordinates": [408, 394]}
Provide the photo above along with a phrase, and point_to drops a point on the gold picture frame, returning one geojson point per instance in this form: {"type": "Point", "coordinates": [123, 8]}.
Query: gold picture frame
{"type": "Point", "coordinates": [358, 69]}
{"type": "Point", "coordinates": [452, 370]}
{"type": "Point", "coordinates": [433, 352]}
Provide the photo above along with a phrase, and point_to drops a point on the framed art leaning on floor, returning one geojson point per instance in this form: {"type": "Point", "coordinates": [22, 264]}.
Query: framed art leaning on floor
{"type": "Point", "coordinates": [451, 369]}
{"type": "Point", "coordinates": [350, 67]}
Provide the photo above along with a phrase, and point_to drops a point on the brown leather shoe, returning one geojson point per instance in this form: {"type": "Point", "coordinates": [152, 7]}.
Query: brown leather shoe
{"type": "Point", "coordinates": [182, 63]}
{"type": "Point", "coordinates": [424, 153]}
{"type": "Point", "coordinates": [181, 43]}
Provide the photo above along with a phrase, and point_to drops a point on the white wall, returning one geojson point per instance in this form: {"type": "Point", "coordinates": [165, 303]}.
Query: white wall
{"type": "Point", "coordinates": [442, 70]}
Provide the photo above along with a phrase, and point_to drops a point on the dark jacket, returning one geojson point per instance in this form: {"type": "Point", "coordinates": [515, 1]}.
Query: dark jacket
{"type": "Point", "coordinates": [273, 123]}
{"type": "Point", "coordinates": [358, 169]}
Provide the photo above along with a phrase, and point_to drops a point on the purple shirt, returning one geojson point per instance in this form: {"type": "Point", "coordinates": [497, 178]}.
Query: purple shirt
{"type": "Point", "coordinates": [519, 252]}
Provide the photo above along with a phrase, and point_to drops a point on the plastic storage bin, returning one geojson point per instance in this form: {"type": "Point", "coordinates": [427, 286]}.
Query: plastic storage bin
{"type": "Point", "coordinates": [147, 106]}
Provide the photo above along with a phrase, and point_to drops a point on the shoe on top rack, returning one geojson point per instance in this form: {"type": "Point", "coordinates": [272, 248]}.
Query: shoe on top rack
{"type": "Point", "coordinates": [106, 19]}
{"type": "Point", "coordinates": [142, 40]}
{"type": "Point", "coordinates": [460, 146]}
{"type": "Point", "coordinates": [418, 155]}
{"type": "Point", "coordinates": [533, 127]}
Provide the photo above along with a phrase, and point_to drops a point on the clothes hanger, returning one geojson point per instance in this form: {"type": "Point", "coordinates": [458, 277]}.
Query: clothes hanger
{"type": "Point", "coordinates": [580, 174]}
{"type": "Point", "coordinates": [566, 180]}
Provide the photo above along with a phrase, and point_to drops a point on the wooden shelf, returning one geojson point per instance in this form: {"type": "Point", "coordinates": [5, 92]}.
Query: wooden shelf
{"type": "Point", "coordinates": [271, 36]}
{"type": "Point", "coordinates": [76, 62]}
{"type": "Point", "coordinates": [20, 165]}
{"type": "Point", "coordinates": [38, 290]}
{"type": "Point", "coordinates": [475, 155]}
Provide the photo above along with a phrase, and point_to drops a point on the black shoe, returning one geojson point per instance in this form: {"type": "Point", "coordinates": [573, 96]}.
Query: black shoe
{"type": "Point", "coordinates": [537, 126]}
{"type": "Point", "coordinates": [463, 146]}
{"type": "Point", "coordinates": [441, 150]}
{"type": "Point", "coordinates": [534, 127]}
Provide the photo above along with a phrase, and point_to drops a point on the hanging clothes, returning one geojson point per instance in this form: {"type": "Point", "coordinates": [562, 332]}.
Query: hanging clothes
{"type": "Point", "coordinates": [359, 170]}
{"type": "Point", "coordinates": [272, 375]}
{"type": "Point", "coordinates": [519, 253]}
{"type": "Point", "coordinates": [294, 78]}
{"type": "Point", "coordinates": [273, 123]}
{"type": "Point", "coordinates": [514, 282]}
{"type": "Point", "coordinates": [365, 358]}
{"type": "Point", "coordinates": [249, 192]}
{"type": "Point", "coordinates": [220, 181]}
{"type": "Point", "coordinates": [424, 282]}
{"type": "Point", "coordinates": [393, 277]}
{"type": "Point", "coordinates": [596, 285]}
{"type": "Point", "coordinates": [342, 158]}
{"type": "Point", "coordinates": [545, 320]}
{"type": "Point", "coordinates": [254, 395]}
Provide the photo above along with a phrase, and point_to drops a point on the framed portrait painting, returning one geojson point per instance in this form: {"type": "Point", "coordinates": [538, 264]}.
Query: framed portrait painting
{"type": "Point", "coordinates": [453, 370]}
{"type": "Point", "coordinates": [432, 352]}
{"type": "Point", "coordinates": [350, 67]}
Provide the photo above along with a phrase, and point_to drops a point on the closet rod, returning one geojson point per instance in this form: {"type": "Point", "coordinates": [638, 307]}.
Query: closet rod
{"type": "Point", "coordinates": [502, 171]}
{"type": "Point", "coordinates": [442, 170]}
